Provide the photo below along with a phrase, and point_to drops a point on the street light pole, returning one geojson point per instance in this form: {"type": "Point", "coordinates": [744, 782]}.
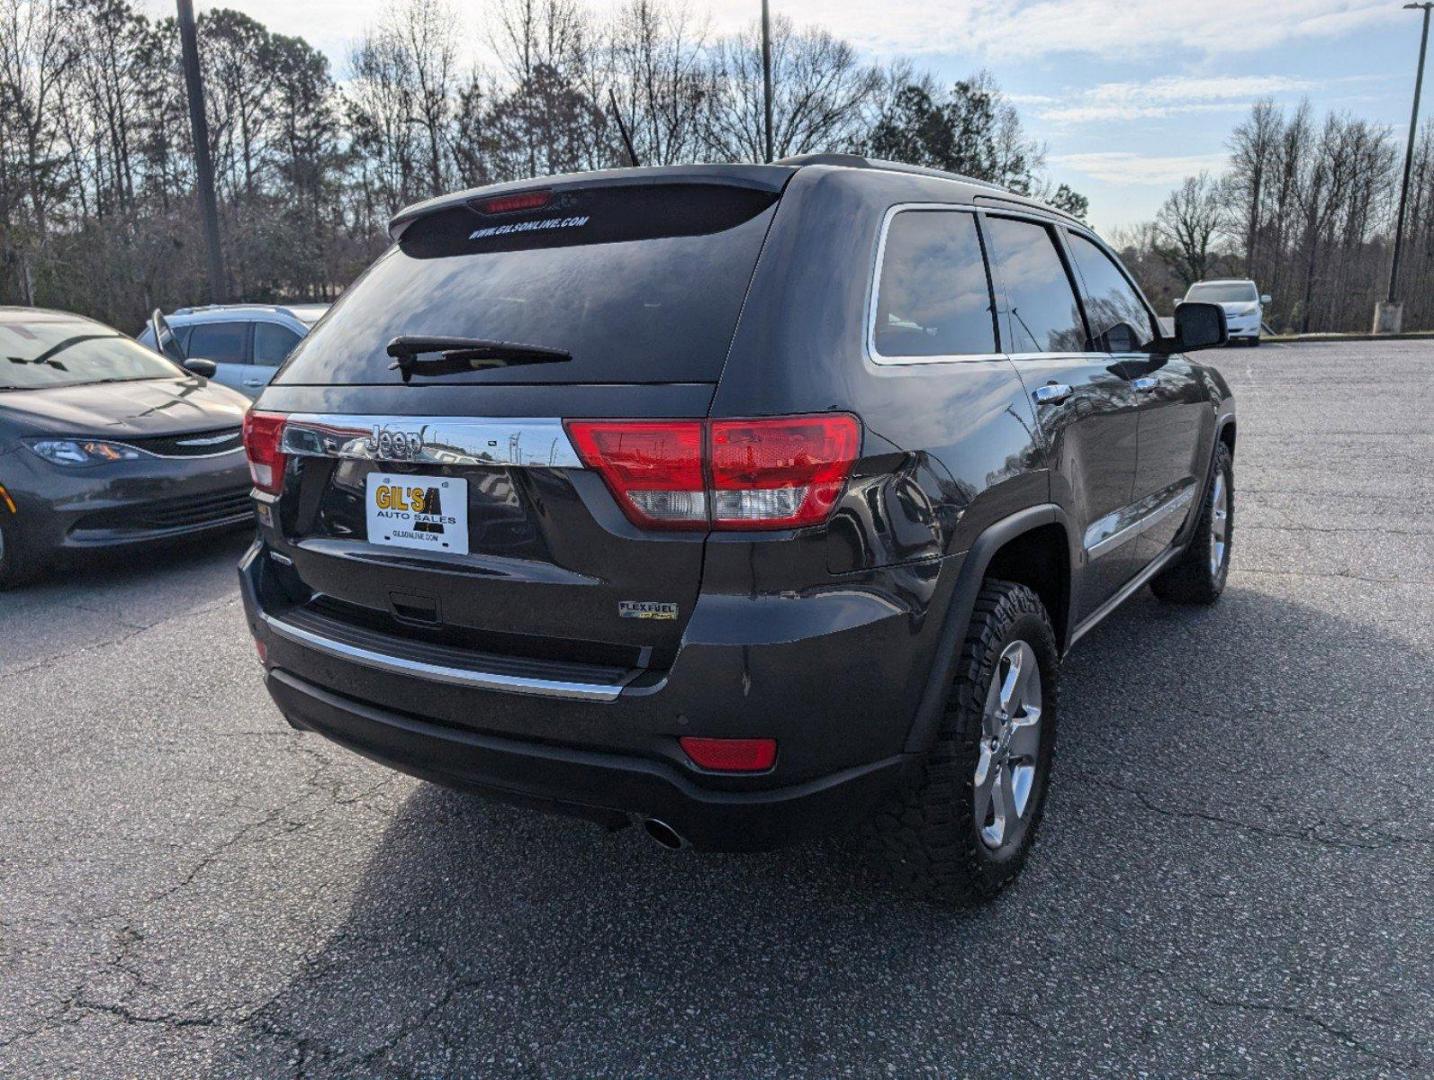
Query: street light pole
{"type": "Point", "coordinates": [767, 78]}
{"type": "Point", "coordinates": [1389, 316]}
{"type": "Point", "coordinates": [203, 168]}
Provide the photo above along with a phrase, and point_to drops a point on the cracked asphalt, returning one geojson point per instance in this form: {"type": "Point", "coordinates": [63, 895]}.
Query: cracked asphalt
{"type": "Point", "coordinates": [1235, 875]}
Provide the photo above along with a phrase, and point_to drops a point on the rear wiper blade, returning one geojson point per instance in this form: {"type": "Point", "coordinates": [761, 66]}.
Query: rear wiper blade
{"type": "Point", "coordinates": [465, 354]}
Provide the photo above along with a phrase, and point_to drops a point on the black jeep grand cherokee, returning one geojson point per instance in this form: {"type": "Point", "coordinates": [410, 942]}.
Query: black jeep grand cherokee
{"type": "Point", "coordinates": [744, 502]}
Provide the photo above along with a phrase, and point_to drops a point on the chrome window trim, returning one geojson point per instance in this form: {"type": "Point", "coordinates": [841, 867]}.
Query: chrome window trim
{"type": "Point", "coordinates": [875, 355]}
{"type": "Point", "coordinates": [512, 684]}
{"type": "Point", "coordinates": [431, 440]}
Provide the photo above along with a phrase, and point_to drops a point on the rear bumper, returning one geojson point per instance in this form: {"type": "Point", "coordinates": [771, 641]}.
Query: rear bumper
{"type": "Point", "coordinates": [606, 787]}
{"type": "Point", "coordinates": [834, 678]}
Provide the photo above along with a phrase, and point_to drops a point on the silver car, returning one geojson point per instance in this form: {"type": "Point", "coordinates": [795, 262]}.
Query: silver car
{"type": "Point", "coordinates": [1243, 303]}
{"type": "Point", "coordinates": [246, 342]}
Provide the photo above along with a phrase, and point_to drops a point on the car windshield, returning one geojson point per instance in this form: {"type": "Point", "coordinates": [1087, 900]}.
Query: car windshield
{"type": "Point", "coordinates": [1215, 292]}
{"type": "Point", "coordinates": [39, 350]}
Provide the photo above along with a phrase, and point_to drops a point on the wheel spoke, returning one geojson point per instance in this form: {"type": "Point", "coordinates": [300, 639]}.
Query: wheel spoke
{"type": "Point", "coordinates": [1010, 685]}
{"type": "Point", "coordinates": [985, 774]}
{"type": "Point", "coordinates": [1026, 737]}
{"type": "Point", "coordinates": [1003, 807]}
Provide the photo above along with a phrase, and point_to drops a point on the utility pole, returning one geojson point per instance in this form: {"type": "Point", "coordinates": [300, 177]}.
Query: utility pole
{"type": "Point", "coordinates": [767, 77]}
{"type": "Point", "coordinates": [1389, 316]}
{"type": "Point", "coordinates": [203, 168]}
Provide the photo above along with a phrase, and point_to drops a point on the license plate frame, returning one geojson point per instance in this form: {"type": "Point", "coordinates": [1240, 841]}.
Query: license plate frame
{"type": "Point", "coordinates": [397, 512]}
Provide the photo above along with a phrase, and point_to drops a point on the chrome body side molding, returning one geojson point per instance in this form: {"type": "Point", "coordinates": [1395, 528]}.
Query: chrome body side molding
{"type": "Point", "coordinates": [1125, 524]}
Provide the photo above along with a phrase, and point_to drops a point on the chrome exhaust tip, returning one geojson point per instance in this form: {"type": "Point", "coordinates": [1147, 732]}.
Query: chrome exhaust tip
{"type": "Point", "coordinates": [664, 834]}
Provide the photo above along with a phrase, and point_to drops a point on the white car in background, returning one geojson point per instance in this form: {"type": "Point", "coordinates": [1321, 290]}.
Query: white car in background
{"type": "Point", "coordinates": [1243, 303]}
{"type": "Point", "coordinates": [247, 342]}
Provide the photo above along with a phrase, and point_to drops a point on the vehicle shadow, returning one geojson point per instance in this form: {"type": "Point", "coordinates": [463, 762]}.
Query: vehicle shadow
{"type": "Point", "coordinates": [484, 940]}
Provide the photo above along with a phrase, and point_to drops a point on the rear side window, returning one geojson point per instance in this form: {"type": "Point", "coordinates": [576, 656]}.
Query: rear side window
{"type": "Point", "coordinates": [637, 283]}
{"type": "Point", "coordinates": [1038, 304]}
{"type": "Point", "coordinates": [933, 298]}
{"type": "Point", "coordinates": [272, 343]}
{"type": "Point", "coordinates": [222, 342]}
{"type": "Point", "coordinates": [1119, 320]}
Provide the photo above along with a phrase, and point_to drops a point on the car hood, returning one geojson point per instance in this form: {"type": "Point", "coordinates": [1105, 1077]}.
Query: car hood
{"type": "Point", "coordinates": [123, 409]}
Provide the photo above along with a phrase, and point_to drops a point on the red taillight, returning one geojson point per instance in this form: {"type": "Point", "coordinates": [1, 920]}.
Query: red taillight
{"type": "Point", "coordinates": [654, 467]}
{"type": "Point", "coordinates": [730, 755]}
{"type": "Point", "coordinates": [262, 435]}
{"type": "Point", "coordinates": [781, 473]}
{"type": "Point", "coordinates": [769, 473]}
{"type": "Point", "coordinates": [509, 204]}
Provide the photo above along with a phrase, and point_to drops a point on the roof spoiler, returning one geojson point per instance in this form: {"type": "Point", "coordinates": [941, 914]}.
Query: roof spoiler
{"type": "Point", "coordinates": [771, 178]}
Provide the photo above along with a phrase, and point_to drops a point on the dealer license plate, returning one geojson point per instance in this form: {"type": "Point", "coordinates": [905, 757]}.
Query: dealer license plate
{"type": "Point", "coordinates": [429, 513]}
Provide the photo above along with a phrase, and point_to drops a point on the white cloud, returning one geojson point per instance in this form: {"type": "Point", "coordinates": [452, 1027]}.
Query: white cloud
{"type": "Point", "coordinates": [1166, 96]}
{"type": "Point", "coordinates": [996, 29]}
{"type": "Point", "coordinates": [1126, 168]}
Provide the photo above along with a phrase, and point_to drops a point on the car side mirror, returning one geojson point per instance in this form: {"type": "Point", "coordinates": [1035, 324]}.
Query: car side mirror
{"type": "Point", "coordinates": [1199, 326]}
{"type": "Point", "coordinates": [205, 368]}
{"type": "Point", "coordinates": [1264, 298]}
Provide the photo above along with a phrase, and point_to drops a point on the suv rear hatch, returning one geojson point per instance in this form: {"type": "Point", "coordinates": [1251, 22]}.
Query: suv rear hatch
{"type": "Point", "coordinates": [446, 503]}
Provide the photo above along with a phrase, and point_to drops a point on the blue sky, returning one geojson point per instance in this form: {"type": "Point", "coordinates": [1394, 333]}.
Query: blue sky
{"type": "Point", "coordinates": [1128, 95]}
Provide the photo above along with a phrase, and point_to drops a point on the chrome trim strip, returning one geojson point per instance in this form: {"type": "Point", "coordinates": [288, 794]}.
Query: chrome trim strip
{"type": "Point", "coordinates": [478, 680]}
{"type": "Point", "coordinates": [431, 440]}
{"type": "Point", "coordinates": [1099, 541]}
{"type": "Point", "coordinates": [872, 297]}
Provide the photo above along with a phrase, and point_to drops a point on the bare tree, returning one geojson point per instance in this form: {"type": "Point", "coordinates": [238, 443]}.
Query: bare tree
{"type": "Point", "coordinates": [821, 96]}
{"type": "Point", "coordinates": [1187, 225]}
{"type": "Point", "coordinates": [655, 64]}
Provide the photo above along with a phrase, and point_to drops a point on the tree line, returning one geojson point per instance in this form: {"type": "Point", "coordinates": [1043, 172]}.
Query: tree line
{"type": "Point", "coordinates": [1307, 210]}
{"type": "Point", "coordinates": [97, 196]}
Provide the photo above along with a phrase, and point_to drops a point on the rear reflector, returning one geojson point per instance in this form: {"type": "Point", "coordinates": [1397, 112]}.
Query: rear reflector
{"type": "Point", "coordinates": [262, 435]}
{"type": "Point", "coordinates": [730, 755]}
{"type": "Point", "coordinates": [769, 473]}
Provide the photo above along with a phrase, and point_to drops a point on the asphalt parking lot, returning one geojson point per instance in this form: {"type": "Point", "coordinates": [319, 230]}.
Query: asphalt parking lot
{"type": "Point", "coordinates": [1235, 875]}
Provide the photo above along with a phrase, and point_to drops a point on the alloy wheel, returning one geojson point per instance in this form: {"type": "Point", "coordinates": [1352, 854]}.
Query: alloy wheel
{"type": "Point", "coordinates": [1219, 524]}
{"type": "Point", "coordinates": [1010, 747]}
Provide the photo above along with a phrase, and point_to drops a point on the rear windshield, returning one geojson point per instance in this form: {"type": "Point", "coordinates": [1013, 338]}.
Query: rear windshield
{"type": "Point", "coordinates": [39, 350]}
{"type": "Point", "coordinates": [1235, 293]}
{"type": "Point", "coordinates": [638, 284]}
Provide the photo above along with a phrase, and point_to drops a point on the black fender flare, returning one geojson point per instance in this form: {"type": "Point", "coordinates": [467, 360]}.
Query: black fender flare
{"type": "Point", "coordinates": [969, 577]}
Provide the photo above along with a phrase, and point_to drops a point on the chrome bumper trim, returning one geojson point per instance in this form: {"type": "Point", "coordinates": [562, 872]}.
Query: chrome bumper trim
{"type": "Point", "coordinates": [477, 680]}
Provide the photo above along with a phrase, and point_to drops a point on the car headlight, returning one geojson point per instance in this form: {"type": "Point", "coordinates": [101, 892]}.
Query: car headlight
{"type": "Point", "coordinates": [81, 451]}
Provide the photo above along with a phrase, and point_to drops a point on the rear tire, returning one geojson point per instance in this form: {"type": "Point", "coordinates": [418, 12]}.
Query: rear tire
{"type": "Point", "coordinates": [1199, 575]}
{"type": "Point", "coordinates": [960, 832]}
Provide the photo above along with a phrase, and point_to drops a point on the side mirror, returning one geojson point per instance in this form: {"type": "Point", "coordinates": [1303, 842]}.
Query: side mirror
{"type": "Point", "coordinates": [205, 368]}
{"type": "Point", "coordinates": [1199, 326]}
{"type": "Point", "coordinates": [1264, 298]}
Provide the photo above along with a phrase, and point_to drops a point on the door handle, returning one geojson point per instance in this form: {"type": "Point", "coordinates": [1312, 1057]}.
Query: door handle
{"type": "Point", "coordinates": [1145, 383]}
{"type": "Point", "coordinates": [1053, 393]}
{"type": "Point", "coordinates": [254, 382]}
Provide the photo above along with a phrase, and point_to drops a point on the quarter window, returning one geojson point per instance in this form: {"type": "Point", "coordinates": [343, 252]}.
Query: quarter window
{"type": "Point", "coordinates": [934, 298]}
{"type": "Point", "coordinates": [1038, 305]}
{"type": "Point", "coordinates": [272, 343]}
{"type": "Point", "coordinates": [1119, 319]}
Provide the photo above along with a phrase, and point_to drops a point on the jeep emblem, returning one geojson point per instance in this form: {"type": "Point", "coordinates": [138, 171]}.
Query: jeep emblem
{"type": "Point", "coordinates": [394, 445]}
